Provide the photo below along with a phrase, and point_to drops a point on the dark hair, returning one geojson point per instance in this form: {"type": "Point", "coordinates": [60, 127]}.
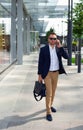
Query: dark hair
{"type": "Point", "coordinates": [51, 33]}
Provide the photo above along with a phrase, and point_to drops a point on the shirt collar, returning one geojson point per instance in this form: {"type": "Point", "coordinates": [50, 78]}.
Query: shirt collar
{"type": "Point", "coordinates": [51, 47]}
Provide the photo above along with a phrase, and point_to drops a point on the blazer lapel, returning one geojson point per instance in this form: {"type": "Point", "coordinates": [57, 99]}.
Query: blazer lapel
{"type": "Point", "coordinates": [57, 52]}
{"type": "Point", "coordinates": [56, 49]}
{"type": "Point", "coordinates": [48, 52]}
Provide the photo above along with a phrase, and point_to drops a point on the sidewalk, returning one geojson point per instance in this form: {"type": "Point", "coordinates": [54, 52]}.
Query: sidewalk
{"type": "Point", "coordinates": [20, 111]}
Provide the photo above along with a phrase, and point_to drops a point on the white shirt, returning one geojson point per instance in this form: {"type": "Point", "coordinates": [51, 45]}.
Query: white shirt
{"type": "Point", "coordinates": [54, 65]}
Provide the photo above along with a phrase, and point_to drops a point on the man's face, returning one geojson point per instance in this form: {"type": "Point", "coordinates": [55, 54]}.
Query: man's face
{"type": "Point", "coordinates": [52, 39]}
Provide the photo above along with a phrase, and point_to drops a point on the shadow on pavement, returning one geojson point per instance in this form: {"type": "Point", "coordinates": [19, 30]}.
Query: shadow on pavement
{"type": "Point", "coordinates": [12, 121]}
{"type": "Point", "coordinates": [76, 128]}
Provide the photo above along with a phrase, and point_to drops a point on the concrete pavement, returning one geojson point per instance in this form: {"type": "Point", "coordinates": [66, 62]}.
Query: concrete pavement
{"type": "Point", "coordinates": [20, 111]}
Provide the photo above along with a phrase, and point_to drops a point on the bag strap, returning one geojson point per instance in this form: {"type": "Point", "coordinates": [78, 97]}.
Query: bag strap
{"type": "Point", "coordinates": [35, 96]}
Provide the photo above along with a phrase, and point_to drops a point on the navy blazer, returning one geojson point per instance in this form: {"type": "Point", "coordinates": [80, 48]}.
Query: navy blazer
{"type": "Point", "coordinates": [44, 60]}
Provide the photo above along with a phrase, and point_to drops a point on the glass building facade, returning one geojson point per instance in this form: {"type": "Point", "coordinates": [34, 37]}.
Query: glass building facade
{"type": "Point", "coordinates": [5, 33]}
{"type": "Point", "coordinates": [17, 34]}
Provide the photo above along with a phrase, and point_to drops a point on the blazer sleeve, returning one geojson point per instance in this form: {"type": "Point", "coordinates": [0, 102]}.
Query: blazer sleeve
{"type": "Point", "coordinates": [40, 61]}
{"type": "Point", "coordinates": [64, 53]}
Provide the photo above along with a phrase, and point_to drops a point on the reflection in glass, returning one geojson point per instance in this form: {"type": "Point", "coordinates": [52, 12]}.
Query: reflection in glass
{"type": "Point", "coordinates": [5, 29]}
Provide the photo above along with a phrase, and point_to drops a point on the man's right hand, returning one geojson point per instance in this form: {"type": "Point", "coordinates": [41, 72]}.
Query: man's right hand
{"type": "Point", "coordinates": [40, 78]}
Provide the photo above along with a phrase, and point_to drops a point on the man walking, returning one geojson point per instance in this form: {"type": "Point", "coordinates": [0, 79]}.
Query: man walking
{"type": "Point", "coordinates": [49, 66]}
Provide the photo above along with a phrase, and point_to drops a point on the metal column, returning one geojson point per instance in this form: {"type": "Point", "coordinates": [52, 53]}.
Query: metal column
{"type": "Point", "coordinates": [19, 31]}
{"type": "Point", "coordinates": [79, 55]}
{"type": "Point", "coordinates": [69, 37]}
{"type": "Point", "coordinates": [25, 36]}
{"type": "Point", "coordinates": [13, 32]}
{"type": "Point", "coordinates": [28, 35]}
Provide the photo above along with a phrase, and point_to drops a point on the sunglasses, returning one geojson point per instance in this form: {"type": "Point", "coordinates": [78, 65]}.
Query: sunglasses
{"type": "Point", "coordinates": [52, 38]}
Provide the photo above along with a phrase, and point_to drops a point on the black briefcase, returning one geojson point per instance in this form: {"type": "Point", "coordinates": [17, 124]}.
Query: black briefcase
{"type": "Point", "coordinates": [39, 90]}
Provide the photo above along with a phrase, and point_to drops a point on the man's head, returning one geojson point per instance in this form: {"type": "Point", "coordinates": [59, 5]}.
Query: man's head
{"type": "Point", "coordinates": [52, 38]}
